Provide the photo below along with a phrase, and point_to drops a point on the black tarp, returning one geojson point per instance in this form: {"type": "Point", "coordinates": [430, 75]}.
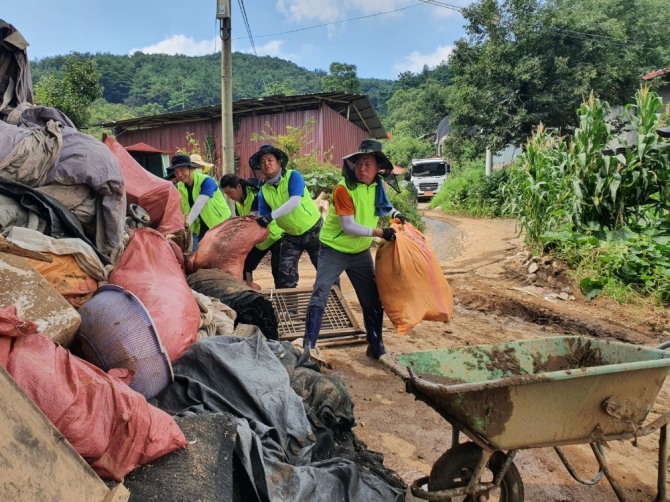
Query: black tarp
{"type": "Point", "coordinates": [275, 440]}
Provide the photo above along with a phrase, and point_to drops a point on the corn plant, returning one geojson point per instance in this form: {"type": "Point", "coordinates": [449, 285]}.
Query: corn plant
{"type": "Point", "coordinates": [540, 186]}
{"type": "Point", "coordinates": [600, 198]}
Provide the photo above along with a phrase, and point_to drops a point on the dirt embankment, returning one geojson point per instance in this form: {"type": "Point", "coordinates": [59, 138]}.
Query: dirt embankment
{"type": "Point", "coordinates": [497, 300]}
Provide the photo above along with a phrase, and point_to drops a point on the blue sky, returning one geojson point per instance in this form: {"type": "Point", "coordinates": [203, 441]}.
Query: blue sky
{"type": "Point", "coordinates": [381, 37]}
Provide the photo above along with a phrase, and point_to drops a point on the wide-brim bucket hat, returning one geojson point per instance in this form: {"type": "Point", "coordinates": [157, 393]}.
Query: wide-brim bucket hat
{"type": "Point", "coordinates": [198, 161]}
{"type": "Point", "coordinates": [255, 159]}
{"type": "Point", "coordinates": [373, 147]}
{"type": "Point", "coordinates": [181, 160]}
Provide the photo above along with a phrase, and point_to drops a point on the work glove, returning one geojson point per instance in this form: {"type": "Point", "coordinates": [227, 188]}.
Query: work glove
{"type": "Point", "coordinates": [264, 221]}
{"type": "Point", "coordinates": [399, 216]}
{"type": "Point", "coordinates": [388, 234]}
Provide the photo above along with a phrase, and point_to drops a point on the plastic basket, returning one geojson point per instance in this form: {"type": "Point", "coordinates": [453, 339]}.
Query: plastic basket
{"type": "Point", "coordinates": [116, 331]}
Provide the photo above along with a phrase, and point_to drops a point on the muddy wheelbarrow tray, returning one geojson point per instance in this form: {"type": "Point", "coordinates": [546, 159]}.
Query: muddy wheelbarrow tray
{"type": "Point", "coordinates": [543, 392]}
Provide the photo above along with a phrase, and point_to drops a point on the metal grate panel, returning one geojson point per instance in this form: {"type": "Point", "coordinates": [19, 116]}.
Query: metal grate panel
{"type": "Point", "coordinates": [290, 306]}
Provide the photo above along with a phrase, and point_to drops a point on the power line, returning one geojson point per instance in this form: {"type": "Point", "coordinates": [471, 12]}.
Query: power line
{"type": "Point", "coordinates": [337, 22]}
{"type": "Point", "coordinates": [246, 23]}
{"type": "Point", "coordinates": [443, 4]}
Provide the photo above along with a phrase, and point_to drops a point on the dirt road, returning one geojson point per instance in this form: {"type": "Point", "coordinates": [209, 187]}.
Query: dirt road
{"type": "Point", "coordinates": [496, 300]}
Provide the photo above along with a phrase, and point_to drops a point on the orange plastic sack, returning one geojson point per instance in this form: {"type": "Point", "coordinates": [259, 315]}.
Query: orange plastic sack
{"type": "Point", "coordinates": [149, 269]}
{"type": "Point", "coordinates": [411, 284]}
{"type": "Point", "coordinates": [227, 245]}
{"type": "Point", "coordinates": [67, 277]}
{"type": "Point", "coordinates": [110, 425]}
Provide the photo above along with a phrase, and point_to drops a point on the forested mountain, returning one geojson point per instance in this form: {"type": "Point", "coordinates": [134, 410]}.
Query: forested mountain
{"type": "Point", "coordinates": [183, 82]}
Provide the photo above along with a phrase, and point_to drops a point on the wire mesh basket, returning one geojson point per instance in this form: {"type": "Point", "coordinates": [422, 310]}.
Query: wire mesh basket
{"type": "Point", "coordinates": [116, 331]}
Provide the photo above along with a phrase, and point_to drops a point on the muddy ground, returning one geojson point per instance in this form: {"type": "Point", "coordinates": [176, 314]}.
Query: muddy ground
{"type": "Point", "coordinates": [496, 300]}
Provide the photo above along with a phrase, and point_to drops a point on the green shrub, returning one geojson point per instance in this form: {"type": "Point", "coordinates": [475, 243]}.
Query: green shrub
{"type": "Point", "coordinates": [468, 191]}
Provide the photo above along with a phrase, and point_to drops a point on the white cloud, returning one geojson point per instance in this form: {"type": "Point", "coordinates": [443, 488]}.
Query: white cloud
{"type": "Point", "coordinates": [416, 61]}
{"type": "Point", "coordinates": [306, 10]}
{"type": "Point", "coordinates": [181, 44]}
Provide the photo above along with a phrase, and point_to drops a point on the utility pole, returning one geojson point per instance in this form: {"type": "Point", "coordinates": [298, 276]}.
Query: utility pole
{"type": "Point", "coordinates": [489, 161]}
{"type": "Point", "coordinates": [227, 136]}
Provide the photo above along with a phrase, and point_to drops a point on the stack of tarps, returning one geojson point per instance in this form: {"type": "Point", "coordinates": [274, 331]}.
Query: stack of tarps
{"type": "Point", "coordinates": [44, 149]}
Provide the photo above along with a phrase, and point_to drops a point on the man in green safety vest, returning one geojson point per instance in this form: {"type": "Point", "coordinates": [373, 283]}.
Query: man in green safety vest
{"type": "Point", "coordinates": [245, 196]}
{"type": "Point", "coordinates": [202, 203]}
{"type": "Point", "coordinates": [284, 198]}
{"type": "Point", "coordinates": [357, 202]}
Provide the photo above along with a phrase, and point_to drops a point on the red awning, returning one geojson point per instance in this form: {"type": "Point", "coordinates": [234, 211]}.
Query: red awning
{"type": "Point", "coordinates": [144, 148]}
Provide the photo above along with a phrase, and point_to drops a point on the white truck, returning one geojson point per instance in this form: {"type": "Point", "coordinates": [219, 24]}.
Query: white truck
{"type": "Point", "coordinates": [428, 175]}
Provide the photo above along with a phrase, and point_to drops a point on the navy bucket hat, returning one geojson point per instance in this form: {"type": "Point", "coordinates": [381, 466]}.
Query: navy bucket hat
{"type": "Point", "coordinates": [255, 159]}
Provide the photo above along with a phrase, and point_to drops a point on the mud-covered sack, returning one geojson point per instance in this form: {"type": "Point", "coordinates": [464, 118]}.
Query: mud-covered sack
{"type": "Point", "coordinates": [227, 245]}
{"type": "Point", "coordinates": [411, 284]}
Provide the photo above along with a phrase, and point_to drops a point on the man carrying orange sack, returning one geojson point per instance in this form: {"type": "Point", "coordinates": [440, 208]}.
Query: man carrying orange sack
{"type": "Point", "coordinates": [347, 234]}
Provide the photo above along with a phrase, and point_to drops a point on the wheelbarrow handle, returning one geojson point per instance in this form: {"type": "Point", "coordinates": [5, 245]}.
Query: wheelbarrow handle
{"type": "Point", "coordinates": [664, 345]}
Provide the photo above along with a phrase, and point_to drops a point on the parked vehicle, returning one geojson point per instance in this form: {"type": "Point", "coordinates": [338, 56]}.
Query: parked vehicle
{"type": "Point", "coordinates": [428, 175]}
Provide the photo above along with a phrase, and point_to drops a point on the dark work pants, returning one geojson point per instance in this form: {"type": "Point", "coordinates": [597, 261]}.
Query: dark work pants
{"type": "Point", "coordinates": [361, 272]}
{"type": "Point", "coordinates": [291, 250]}
{"type": "Point", "coordinates": [256, 255]}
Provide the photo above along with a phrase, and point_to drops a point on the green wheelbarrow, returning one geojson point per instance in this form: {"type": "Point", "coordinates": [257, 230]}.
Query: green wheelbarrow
{"type": "Point", "coordinates": [546, 392]}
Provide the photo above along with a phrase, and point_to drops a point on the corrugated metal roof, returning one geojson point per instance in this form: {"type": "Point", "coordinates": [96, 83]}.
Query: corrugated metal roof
{"type": "Point", "coordinates": [354, 107]}
{"type": "Point", "coordinates": [656, 73]}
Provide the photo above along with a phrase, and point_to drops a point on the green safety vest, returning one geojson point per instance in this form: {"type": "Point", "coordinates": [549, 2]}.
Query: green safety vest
{"type": "Point", "coordinates": [332, 234]}
{"type": "Point", "coordinates": [244, 208]}
{"type": "Point", "coordinates": [215, 210]}
{"type": "Point", "coordinates": [302, 218]}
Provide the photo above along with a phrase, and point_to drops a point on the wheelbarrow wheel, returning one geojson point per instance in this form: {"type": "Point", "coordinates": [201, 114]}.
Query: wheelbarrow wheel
{"type": "Point", "coordinates": [454, 469]}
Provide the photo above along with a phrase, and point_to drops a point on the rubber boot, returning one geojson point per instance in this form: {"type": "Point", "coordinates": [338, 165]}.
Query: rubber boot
{"type": "Point", "coordinates": [312, 326]}
{"type": "Point", "coordinates": [373, 319]}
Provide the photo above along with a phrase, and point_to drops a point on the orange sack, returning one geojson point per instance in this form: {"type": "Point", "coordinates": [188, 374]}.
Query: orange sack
{"type": "Point", "coordinates": [109, 424]}
{"type": "Point", "coordinates": [149, 269]}
{"type": "Point", "coordinates": [411, 284]}
{"type": "Point", "coordinates": [67, 277]}
{"type": "Point", "coordinates": [227, 245]}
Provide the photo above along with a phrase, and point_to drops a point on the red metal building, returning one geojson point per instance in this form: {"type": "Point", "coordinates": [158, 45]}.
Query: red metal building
{"type": "Point", "coordinates": [341, 121]}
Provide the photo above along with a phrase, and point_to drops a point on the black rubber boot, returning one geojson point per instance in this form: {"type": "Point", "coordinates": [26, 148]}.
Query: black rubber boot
{"type": "Point", "coordinates": [312, 326]}
{"type": "Point", "coordinates": [373, 320]}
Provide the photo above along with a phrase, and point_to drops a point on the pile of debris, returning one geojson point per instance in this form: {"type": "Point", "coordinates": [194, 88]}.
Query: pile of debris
{"type": "Point", "coordinates": [132, 347]}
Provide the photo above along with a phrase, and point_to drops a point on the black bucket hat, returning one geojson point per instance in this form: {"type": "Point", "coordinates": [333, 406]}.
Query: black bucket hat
{"type": "Point", "coordinates": [170, 174]}
{"type": "Point", "coordinates": [255, 159]}
{"type": "Point", "coordinates": [369, 146]}
{"type": "Point", "coordinates": [181, 160]}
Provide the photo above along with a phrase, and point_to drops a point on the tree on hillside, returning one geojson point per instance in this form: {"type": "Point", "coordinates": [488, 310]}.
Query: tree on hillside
{"type": "Point", "coordinates": [74, 91]}
{"type": "Point", "coordinates": [342, 78]}
{"type": "Point", "coordinates": [530, 61]}
{"type": "Point", "coordinates": [441, 74]}
{"type": "Point", "coordinates": [419, 109]}
{"type": "Point", "coordinates": [403, 147]}
{"type": "Point", "coordinates": [283, 88]}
